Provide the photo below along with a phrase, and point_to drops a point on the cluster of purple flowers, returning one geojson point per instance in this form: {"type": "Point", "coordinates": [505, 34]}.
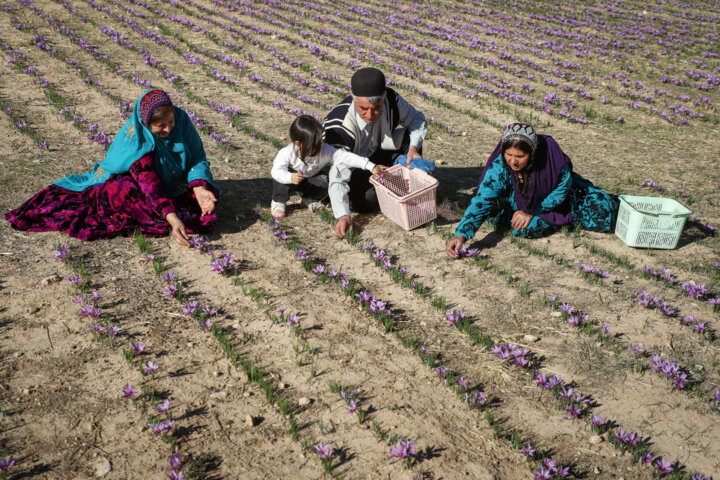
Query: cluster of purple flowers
{"type": "Point", "coordinates": [549, 469]}
{"type": "Point", "coordinates": [453, 316]}
{"type": "Point", "coordinates": [374, 305]}
{"type": "Point", "coordinates": [62, 252]}
{"type": "Point", "coordinates": [174, 468]}
{"type": "Point", "coordinates": [625, 440]}
{"type": "Point", "coordinates": [695, 290]}
{"type": "Point", "coordinates": [697, 325]}
{"type": "Point", "coordinates": [172, 287]}
{"type": "Point", "coordinates": [512, 351]}
{"type": "Point", "coordinates": [281, 235]}
{"type": "Point", "coordinates": [476, 400]}
{"type": "Point", "coordinates": [547, 383]}
{"type": "Point", "coordinates": [651, 184]}
{"type": "Point", "coordinates": [669, 369]}
{"type": "Point", "coordinates": [467, 252]}
{"type": "Point", "coordinates": [222, 263]}
{"type": "Point", "coordinates": [381, 257]}
{"type": "Point", "coordinates": [161, 427]}
{"type": "Point", "coordinates": [647, 300]}
{"type": "Point", "coordinates": [659, 274]}
{"type": "Point", "coordinates": [587, 269]}
{"type": "Point", "coordinates": [323, 451]}
{"type": "Point", "coordinates": [199, 243]}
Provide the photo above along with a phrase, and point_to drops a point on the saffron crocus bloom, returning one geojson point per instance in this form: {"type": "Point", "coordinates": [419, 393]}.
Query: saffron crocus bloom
{"type": "Point", "coordinates": [151, 367]}
{"type": "Point", "coordinates": [403, 449]}
{"type": "Point", "coordinates": [293, 320]}
{"type": "Point", "coordinates": [574, 411]}
{"type": "Point", "coordinates": [169, 277]}
{"type": "Point", "coordinates": [62, 252]}
{"type": "Point", "coordinates": [647, 459]}
{"type": "Point", "coordinates": [150, 257]}
{"type": "Point", "coordinates": [542, 474]}
{"type": "Point", "coordinates": [129, 391]}
{"type": "Point", "coordinates": [209, 311]}
{"type": "Point", "coordinates": [352, 407]}
{"type": "Point", "coordinates": [598, 421]}
{"type": "Point", "coordinates": [324, 451]}
{"type": "Point", "coordinates": [527, 450]}
{"type": "Point", "coordinates": [113, 330]}
{"type": "Point", "coordinates": [192, 305]}
{"type": "Point", "coordinates": [302, 255]}
{"type": "Point", "coordinates": [551, 298]}
{"type": "Point", "coordinates": [441, 371]}
{"type": "Point", "coordinates": [606, 329]}
{"type": "Point", "coordinates": [368, 246]}
{"type": "Point", "coordinates": [637, 349]}
{"type": "Point", "coordinates": [663, 466]}
{"type": "Point", "coordinates": [97, 328]}
{"type": "Point", "coordinates": [170, 290]}
{"type": "Point", "coordinates": [281, 311]}
{"type": "Point", "coordinates": [78, 299]}
{"type": "Point", "coordinates": [138, 348]}
{"type": "Point", "coordinates": [163, 408]}
{"type": "Point", "coordinates": [207, 323]}
{"type": "Point", "coordinates": [425, 351]}
{"type": "Point", "coordinates": [319, 269]}
{"type": "Point", "coordinates": [462, 383]}
{"type": "Point", "coordinates": [6, 464]}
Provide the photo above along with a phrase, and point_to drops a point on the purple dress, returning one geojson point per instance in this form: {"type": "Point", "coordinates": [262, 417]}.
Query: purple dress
{"type": "Point", "coordinates": [123, 203]}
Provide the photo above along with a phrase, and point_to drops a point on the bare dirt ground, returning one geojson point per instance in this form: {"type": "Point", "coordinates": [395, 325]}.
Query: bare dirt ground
{"type": "Point", "coordinates": [62, 411]}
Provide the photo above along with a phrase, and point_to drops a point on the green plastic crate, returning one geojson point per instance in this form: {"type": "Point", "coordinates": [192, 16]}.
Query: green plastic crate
{"type": "Point", "coordinates": [650, 222]}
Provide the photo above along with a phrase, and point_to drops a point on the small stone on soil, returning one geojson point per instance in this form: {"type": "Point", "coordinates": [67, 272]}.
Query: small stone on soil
{"type": "Point", "coordinates": [595, 439]}
{"type": "Point", "coordinates": [531, 338]}
{"type": "Point", "coordinates": [249, 421]}
{"type": "Point", "coordinates": [555, 314]}
{"type": "Point", "coordinates": [218, 395]}
{"type": "Point", "coordinates": [102, 466]}
{"type": "Point", "coordinates": [49, 280]}
{"type": "Point", "coordinates": [303, 401]}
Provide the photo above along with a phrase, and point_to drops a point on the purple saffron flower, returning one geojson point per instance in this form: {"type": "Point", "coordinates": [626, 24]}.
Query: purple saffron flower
{"type": "Point", "coordinates": [442, 371]}
{"type": "Point", "coordinates": [637, 349]}
{"type": "Point", "coordinates": [97, 328]}
{"type": "Point", "coordinates": [319, 270]}
{"type": "Point", "coordinates": [163, 408]}
{"type": "Point", "coordinates": [113, 330]}
{"type": "Point", "coordinates": [606, 329]}
{"type": "Point", "coordinates": [95, 296]}
{"type": "Point", "coordinates": [6, 464]}
{"type": "Point", "coordinates": [663, 466]}
{"type": "Point", "coordinates": [151, 367]}
{"type": "Point", "coordinates": [403, 449]}
{"type": "Point", "coordinates": [281, 311]}
{"type": "Point", "coordinates": [129, 391]}
{"type": "Point", "coordinates": [647, 459]}
{"type": "Point", "coordinates": [551, 298]}
{"type": "Point", "coordinates": [293, 320]}
{"type": "Point", "coordinates": [78, 299]}
{"type": "Point", "coordinates": [351, 407]}
{"type": "Point", "coordinates": [206, 324]}
{"type": "Point", "coordinates": [74, 279]}
{"type": "Point", "coordinates": [176, 476]}
{"type": "Point", "coordinates": [598, 421]}
{"type": "Point", "coordinates": [209, 311]}
{"type": "Point", "coordinates": [138, 348]}
{"type": "Point", "coordinates": [574, 411]}
{"type": "Point", "coordinates": [542, 474]}
{"type": "Point", "coordinates": [462, 383]}
{"type": "Point", "coordinates": [567, 308]}
{"type": "Point", "coordinates": [62, 252]}
{"type": "Point", "coordinates": [527, 450]}
{"type": "Point", "coordinates": [192, 305]}
{"type": "Point", "coordinates": [425, 351]}
{"type": "Point", "coordinates": [302, 255]}
{"type": "Point", "coordinates": [324, 451]}
{"type": "Point", "coordinates": [169, 277]}
{"type": "Point", "coordinates": [150, 257]}
{"type": "Point", "coordinates": [368, 246]}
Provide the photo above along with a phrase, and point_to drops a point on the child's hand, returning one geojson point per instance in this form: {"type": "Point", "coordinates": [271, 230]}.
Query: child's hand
{"type": "Point", "coordinates": [379, 170]}
{"type": "Point", "coordinates": [454, 245]}
{"type": "Point", "coordinates": [296, 178]}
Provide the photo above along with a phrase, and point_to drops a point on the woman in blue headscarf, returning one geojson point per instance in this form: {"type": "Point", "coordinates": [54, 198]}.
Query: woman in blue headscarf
{"type": "Point", "coordinates": [155, 178]}
{"type": "Point", "coordinates": [528, 184]}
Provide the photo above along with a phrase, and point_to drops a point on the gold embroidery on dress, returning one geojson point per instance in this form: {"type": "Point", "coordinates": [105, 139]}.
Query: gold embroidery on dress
{"type": "Point", "coordinates": [99, 173]}
{"type": "Point", "coordinates": [130, 133]}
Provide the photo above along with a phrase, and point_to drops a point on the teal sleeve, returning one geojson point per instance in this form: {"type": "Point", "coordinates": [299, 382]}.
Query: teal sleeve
{"type": "Point", "coordinates": [559, 193]}
{"type": "Point", "coordinates": [494, 185]}
{"type": "Point", "coordinates": [199, 167]}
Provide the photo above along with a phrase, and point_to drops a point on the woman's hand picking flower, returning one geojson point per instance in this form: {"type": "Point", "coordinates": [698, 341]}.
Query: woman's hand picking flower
{"type": "Point", "coordinates": [206, 199]}
{"type": "Point", "coordinates": [520, 220]}
{"type": "Point", "coordinates": [454, 245]}
{"type": "Point", "coordinates": [178, 229]}
{"type": "Point", "coordinates": [379, 170]}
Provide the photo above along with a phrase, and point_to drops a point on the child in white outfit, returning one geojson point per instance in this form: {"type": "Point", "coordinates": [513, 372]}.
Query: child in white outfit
{"type": "Point", "coordinates": [302, 166]}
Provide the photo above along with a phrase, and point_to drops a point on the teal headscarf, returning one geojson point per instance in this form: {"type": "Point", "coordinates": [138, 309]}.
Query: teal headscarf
{"type": "Point", "coordinates": [179, 157]}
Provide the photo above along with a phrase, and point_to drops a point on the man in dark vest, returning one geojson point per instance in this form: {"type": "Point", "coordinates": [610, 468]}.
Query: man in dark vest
{"type": "Point", "coordinates": [374, 122]}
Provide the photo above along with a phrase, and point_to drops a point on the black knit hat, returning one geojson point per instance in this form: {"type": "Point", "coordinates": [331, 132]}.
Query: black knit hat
{"type": "Point", "coordinates": [368, 82]}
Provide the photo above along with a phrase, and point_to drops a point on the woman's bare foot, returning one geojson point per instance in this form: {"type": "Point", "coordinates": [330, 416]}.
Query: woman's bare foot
{"type": "Point", "coordinates": [277, 213]}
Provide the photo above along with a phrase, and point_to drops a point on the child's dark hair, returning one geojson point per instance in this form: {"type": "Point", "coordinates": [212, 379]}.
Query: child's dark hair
{"type": "Point", "coordinates": [309, 132]}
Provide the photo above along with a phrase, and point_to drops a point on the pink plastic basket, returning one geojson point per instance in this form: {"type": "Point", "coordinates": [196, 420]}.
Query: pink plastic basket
{"type": "Point", "coordinates": [407, 196]}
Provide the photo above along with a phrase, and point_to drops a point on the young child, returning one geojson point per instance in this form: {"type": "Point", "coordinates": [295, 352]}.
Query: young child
{"type": "Point", "coordinates": [302, 166]}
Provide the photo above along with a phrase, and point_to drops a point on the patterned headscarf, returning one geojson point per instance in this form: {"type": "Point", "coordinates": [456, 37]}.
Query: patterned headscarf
{"type": "Point", "coordinates": [521, 131]}
{"type": "Point", "coordinates": [150, 102]}
{"type": "Point", "coordinates": [179, 157]}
